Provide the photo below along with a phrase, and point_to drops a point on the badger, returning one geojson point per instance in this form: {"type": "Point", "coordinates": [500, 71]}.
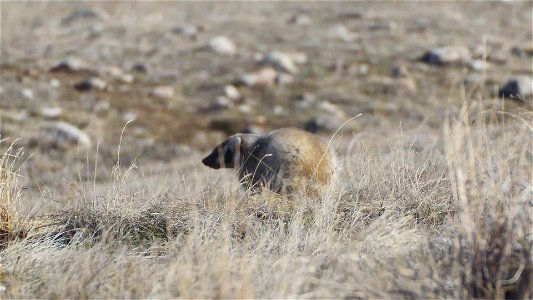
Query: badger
{"type": "Point", "coordinates": [286, 160]}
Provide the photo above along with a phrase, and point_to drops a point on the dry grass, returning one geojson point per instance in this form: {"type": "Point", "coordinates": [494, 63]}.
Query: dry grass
{"type": "Point", "coordinates": [449, 219]}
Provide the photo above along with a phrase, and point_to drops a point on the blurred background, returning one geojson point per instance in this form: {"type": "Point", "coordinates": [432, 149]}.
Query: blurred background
{"type": "Point", "coordinates": [190, 74]}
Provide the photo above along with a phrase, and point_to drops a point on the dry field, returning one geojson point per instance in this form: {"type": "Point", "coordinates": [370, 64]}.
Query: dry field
{"type": "Point", "coordinates": [106, 109]}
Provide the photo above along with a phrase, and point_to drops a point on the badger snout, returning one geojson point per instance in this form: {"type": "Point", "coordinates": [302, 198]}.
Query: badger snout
{"type": "Point", "coordinates": [211, 161]}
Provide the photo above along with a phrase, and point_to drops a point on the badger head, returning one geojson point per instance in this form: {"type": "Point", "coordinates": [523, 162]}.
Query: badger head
{"type": "Point", "coordinates": [229, 153]}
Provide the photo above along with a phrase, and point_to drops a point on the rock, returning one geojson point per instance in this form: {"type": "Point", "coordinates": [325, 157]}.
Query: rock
{"type": "Point", "coordinates": [245, 108]}
{"type": "Point", "coordinates": [70, 65]}
{"type": "Point", "coordinates": [447, 55]}
{"type": "Point", "coordinates": [263, 77]}
{"type": "Point", "coordinates": [51, 113]}
{"type": "Point", "coordinates": [517, 88]}
{"type": "Point", "coordinates": [253, 128]}
{"type": "Point", "coordinates": [101, 108]}
{"type": "Point", "coordinates": [285, 62]}
{"type": "Point", "coordinates": [129, 116]}
{"type": "Point", "coordinates": [222, 45]}
{"type": "Point", "coordinates": [140, 68]}
{"type": "Point", "coordinates": [340, 32]}
{"type": "Point", "coordinates": [80, 14]}
{"type": "Point", "coordinates": [187, 30]}
{"type": "Point", "coordinates": [322, 123]}
{"type": "Point", "coordinates": [232, 92]}
{"type": "Point", "coordinates": [220, 103]}
{"type": "Point", "coordinates": [284, 79]}
{"type": "Point", "coordinates": [55, 83]}
{"type": "Point", "coordinates": [333, 110]}
{"type": "Point", "coordinates": [399, 70]}
{"type": "Point", "coordinates": [27, 93]}
{"type": "Point", "coordinates": [63, 133]}
{"type": "Point", "coordinates": [478, 65]}
{"type": "Point", "coordinates": [278, 110]}
{"type": "Point", "coordinates": [91, 83]}
{"type": "Point", "coordinates": [300, 20]}
{"type": "Point", "coordinates": [163, 92]}
{"type": "Point", "coordinates": [118, 73]}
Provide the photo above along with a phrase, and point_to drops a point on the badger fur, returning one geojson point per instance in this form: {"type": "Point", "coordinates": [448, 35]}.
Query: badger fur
{"type": "Point", "coordinates": [285, 160]}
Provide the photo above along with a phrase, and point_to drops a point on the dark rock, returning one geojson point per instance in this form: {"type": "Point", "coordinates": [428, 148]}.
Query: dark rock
{"type": "Point", "coordinates": [517, 88]}
{"type": "Point", "coordinates": [140, 68]}
{"type": "Point", "coordinates": [446, 55]}
{"type": "Point", "coordinates": [89, 84]}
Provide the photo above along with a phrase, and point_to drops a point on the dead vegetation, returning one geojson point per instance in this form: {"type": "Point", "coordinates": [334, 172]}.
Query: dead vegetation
{"type": "Point", "coordinates": [451, 219]}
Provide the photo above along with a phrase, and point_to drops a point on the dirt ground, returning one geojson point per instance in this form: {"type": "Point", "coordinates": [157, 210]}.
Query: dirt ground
{"type": "Point", "coordinates": [371, 66]}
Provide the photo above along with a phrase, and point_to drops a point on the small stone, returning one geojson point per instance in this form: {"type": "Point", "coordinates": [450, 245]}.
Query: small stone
{"type": "Point", "coordinates": [129, 116]}
{"type": "Point", "coordinates": [278, 110]}
{"type": "Point", "coordinates": [300, 20]}
{"type": "Point", "coordinates": [220, 103]}
{"type": "Point", "coordinates": [80, 14]}
{"type": "Point", "coordinates": [140, 68]}
{"type": "Point", "coordinates": [517, 88]}
{"type": "Point", "coordinates": [284, 61]}
{"type": "Point", "coordinates": [55, 83]}
{"type": "Point", "coordinates": [232, 92]}
{"type": "Point", "coordinates": [127, 78]}
{"type": "Point", "coordinates": [399, 70]}
{"type": "Point", "coordinates": [265, 76]}
{"type": "Point", "coordinates": [163, 92]}
{"type": "Point", "coordinates": [51, 113]}
{"type": "Point", "coordinates": [478, 65]}
{"type": "Point", "coordinates": [222, 45]}
{"type": "Point", "coordinates": [187, 30]}
{"type": "Point", "coordinates": [447, 55]}
{"type": "Point", "coordinates": [245, 108]}
{"type": "Point", "coordinates": [27, 93]}
{"type": "Point", "coordinates": [340, 32]}
{"type": "Point", "coordinates": [89, 84]}
{"type": "Point", "coordinates": [331, 109]}
{"type": "Point", "coordinates": [70, 65]}
{"type": "Point", "coordinates": [284, 79]}
{"type": "Point", "coordinates": [63, 133]}
{"type": "Point", "coordinates": [322, 124]}
{"type": "Point", "coordinates": [101, 108]}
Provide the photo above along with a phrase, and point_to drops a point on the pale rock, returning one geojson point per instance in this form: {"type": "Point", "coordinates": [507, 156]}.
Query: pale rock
{"type": "Point", "coordinates": [187, 30]}
{"type": "Point", "coordinates": [478, 65]}
{"type": "Point", "coordinates": [51, 113]}
{"type": "Point", "coordinates": [27, 93]}
{"type": "Point", "coordinates": [63, 133]}
{"type": "Point", "coordinates": [232, 92]}
{"type": "Point", "coordinates": [331, 109]}
{"type": "Point", "coordinates": [222, 45]}
{"type": "Point", "coordinates": [322, 123]}
{"type": "Point", "coordinates": [55, 83]}
{"type": "Point", "coordinates": [163, 92]}
{"type": "Point", "coordinates": [265, 76]}
{"type": "Point", "coordinates": [129, 116]}
{"type": "Point", "coordinates": [340, 32]}
{"type": "Point", "coordinates": [245, 108]}
{"type": "Point", "coordinates": [284, 79]}
{"type": "Point", "coordinates": [101, 108]}
{"type": "Point", "coordinates": [300, 20]}
{"type": "Point", "coordinates": [285, 62]}
{"type": "Point", "coordinates": [278, 110]}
